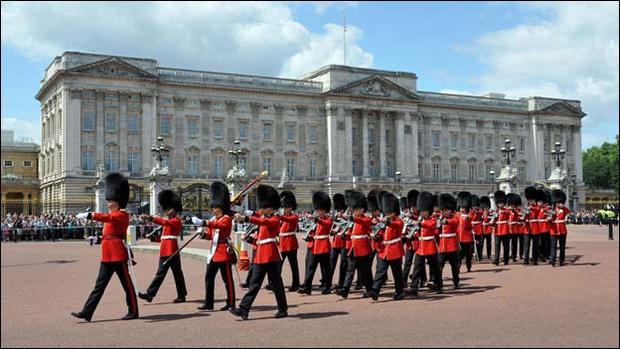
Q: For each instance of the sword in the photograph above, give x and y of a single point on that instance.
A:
(198, 232)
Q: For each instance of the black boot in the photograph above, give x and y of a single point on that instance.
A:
(147, 297)
(81, 315)
(130, 316)
(238, 312)
(179, 300)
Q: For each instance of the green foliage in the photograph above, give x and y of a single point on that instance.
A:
(600, 166)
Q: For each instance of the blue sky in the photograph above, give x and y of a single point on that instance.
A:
(566, 50)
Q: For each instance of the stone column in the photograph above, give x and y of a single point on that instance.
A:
(401, 164)
(414, 158)
(100, 202)
(72, 122)
(576, 134)
(122, 131)
(100, 117)
(365, 149)
(332, 140)
(158, 183)
(382, 146)
(148, 121)
(348, 143)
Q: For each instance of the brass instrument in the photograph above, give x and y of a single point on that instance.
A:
(307, 225)
(250, 229)
(236, 200)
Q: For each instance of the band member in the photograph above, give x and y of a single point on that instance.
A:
(449, 225)
(487, 226)
(532, 236)
(374, 207)
(476, 222)
(522, 230)
(360, 247)
(321, 248)
(338, 243)
(114, 255)
(412, 244)
(543, 223)
(170, 203)
(558, 229)
(267, 259)
(502, 237)
(513, 223)
(391, 252)
(436, 214)
(288, 239)
(465, 229)
(218, 231)
(428, 244)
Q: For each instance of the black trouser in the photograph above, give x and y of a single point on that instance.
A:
(315, 260)
(504, 241)
(454, 260)
(335, 253)
(397, 272)
(225, 270)
(514, 241)
(409, 254)
(532, 240)
(364, 273)
(249, 276)
(554, 243)
(177, 272)
(545, 244)
(611, 230)
(106, 270)
(479, 246)
(272, 270)
(466, 251)
(488, 238)
(418, 269)
(292, 261)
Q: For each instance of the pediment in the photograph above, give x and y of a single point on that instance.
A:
(374, 87)
(113, 67)
(561, 108)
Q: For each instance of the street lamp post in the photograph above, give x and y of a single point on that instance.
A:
(159, 150)
(398, 176)
(492, 178)
(508, 150)
(237, 152)
(558, 154)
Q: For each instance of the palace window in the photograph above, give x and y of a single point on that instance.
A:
(436, 142)
(218, 129)
(111, 159)
(472, 172)
(371, 135)
(454, 172)
(87, 161)
(488, 142)
(290, 166)
(267, 128)
(27, 163)
(313, 168)
(243, 130)
(133, 162)
(88, 123)
(472, 141)
(8, 163)
(267, 165)
(436, 171)
(132, 123)
(110, 121)
(454, 140)
(192, 164)
(192, 127)
(312, 139)
(164, 126)
(290, 133)
(218, 166)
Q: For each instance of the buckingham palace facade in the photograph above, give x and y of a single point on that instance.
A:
(331, 129)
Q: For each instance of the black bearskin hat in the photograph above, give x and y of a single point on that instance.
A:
(373, 200)
(447, 202)
(425, 202)
(389, 203)
(558, 196)
(356, 199)
(339, 202)
(511, 199)
(267, 197)
(169, 199)
(485, 202)
(321, 200)
(220, 197)
(412, 197)
(404, 203)
(474, 201)
(287, 198)
(530, 193)
(500, 197)
(462, 200)
(117, 189)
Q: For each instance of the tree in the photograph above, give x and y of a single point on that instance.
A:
(600, 166)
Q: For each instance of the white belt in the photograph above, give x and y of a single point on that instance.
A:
(562, 221)
(447, 235)
(393, 241)
(476, 222)
(357, 237)
(321, 237)
(513, 223)
(502, 222)
(266, 241)
(292, 233)
(170, 237)
(427, 238)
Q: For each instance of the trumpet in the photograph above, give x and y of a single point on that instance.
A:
(250, 229)
(307, 225)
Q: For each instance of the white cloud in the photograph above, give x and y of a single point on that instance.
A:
(573, 54)
(249, 37)
(24, 130)
(327, 48)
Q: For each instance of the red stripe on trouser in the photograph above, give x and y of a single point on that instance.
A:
(230, 283)
(134, 307)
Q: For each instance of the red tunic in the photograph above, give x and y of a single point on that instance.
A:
(465, 228)
(321, 236)
(115, 226)
(532, 220)
(170, 235)
(476, 221)
(415, 242)
(391, 247)
(376, 245)
(486, 222)
(501, 223)
(267, 249)
(513, 221)
(223, 226)
(428, 234)
(288, 239)
(360, 237)
(543, 223)
(448, 237)
(338, 241)
(558, 225)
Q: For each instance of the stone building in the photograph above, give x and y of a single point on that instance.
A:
(20, 175)
(331, 128)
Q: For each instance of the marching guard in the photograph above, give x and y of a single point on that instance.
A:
(532, 235)
(465, 229)
(501, 232)
(170, 203)
(220, 256)
(267, 259)
(288, 238)
(476, 222)
(360, 247)
(321, 246)
(558, 226)
(544, 202)
(114, 253)
(448, 226)
(339, 232)
(428, 245)
(391, 251)
(487, 226)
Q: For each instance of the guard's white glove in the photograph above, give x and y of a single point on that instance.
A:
(82, 215)
(197, 221)
(248, 212)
